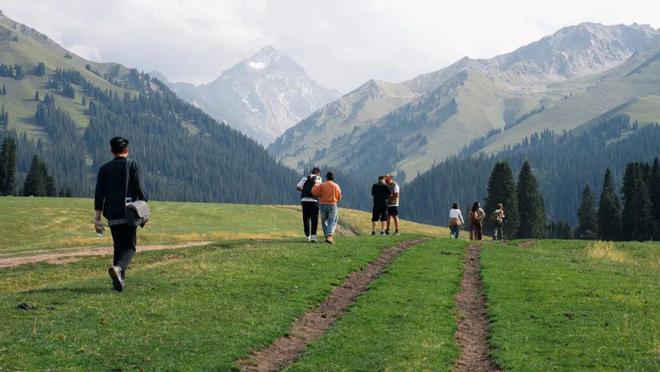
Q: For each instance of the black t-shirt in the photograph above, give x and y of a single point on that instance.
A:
(381, 192)
(111, 187)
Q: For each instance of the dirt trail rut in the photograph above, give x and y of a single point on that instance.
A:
(313, 324)
(72, 256)
(473, 323)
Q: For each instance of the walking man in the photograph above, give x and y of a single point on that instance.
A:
(310, 203)
(329, 195)
(381, 193)
(392, 205)
(118, 183)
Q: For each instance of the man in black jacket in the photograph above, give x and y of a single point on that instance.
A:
(113, 192)
(381, 193)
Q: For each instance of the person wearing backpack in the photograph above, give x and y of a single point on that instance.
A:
(455, 220)
(497, 218)
(381, 193)
(477, 215)
(118, 183)
(310, 204)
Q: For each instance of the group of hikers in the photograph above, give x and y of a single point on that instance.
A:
(119, 187)
(321, 197)
(477, 217)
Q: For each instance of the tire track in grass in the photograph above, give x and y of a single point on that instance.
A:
(313, 324)
(473, 324)
(73, 256)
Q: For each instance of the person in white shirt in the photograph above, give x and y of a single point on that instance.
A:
(310, 203)
(455, 220)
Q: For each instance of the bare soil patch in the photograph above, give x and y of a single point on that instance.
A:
(526, 244)
(73, 256)
(313, 324)
(473, 323)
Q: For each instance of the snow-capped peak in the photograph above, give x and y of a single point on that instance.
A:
(257, 65)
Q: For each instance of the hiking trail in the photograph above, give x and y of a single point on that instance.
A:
(314, 323)
(59, 258)
(473, 324)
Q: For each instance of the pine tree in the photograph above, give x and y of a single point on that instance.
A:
(38, 182)
(609, 211)
(502, 189)
(654, 189)
(637, 219)
(36, 95)
(8, 165)
(530, 206)
(587, 216)
(4, 89)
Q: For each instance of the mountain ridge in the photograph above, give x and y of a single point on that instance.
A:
(516, 94)
(262, 95)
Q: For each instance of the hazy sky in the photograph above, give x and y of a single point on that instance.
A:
(341, 43)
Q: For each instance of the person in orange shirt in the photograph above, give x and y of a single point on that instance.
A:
(329, 195)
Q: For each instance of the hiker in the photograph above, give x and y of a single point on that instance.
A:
(329, 195)
(497, 218)
(392, 205)
(381, 193)
(455, 220)
(310, 203)
(476, 222)
(113, 191)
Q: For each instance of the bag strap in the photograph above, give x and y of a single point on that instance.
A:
(128, 176)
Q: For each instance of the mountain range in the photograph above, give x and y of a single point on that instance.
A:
(577, 76)
(262, 96)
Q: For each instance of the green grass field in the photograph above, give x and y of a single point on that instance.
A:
(406, 321)
(554, 305)
(28, 225)
(574, 305)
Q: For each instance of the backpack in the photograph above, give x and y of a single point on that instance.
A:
(307, 188)
(495, 216)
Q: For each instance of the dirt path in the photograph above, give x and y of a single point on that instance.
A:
(73, 256)
(313, 324)
(473, 324)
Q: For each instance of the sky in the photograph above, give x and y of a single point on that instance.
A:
(340, 43)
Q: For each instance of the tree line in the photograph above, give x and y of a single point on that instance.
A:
(639, 216)
(562, 163)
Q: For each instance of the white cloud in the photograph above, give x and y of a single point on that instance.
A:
(341, 43)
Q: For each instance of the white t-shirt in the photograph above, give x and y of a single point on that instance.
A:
(456, 213)
(394, 189)
(302, 183)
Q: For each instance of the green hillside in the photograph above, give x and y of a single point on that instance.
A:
(184, 153)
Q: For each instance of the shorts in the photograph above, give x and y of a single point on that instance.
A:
(393, 210)
(379, 213)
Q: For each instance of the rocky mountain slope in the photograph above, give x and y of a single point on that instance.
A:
(261, 96)
(559, 83)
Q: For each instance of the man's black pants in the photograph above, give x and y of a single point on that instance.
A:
(310, 212)
(124, 238)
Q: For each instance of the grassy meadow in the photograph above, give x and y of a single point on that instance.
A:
(554, 305)
(574, 305)
(29, 225)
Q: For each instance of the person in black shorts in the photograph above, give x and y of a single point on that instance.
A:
(381, 193)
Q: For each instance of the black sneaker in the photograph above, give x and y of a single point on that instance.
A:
(117, 280)
(382, 232)
(387, 231)
(373, 233)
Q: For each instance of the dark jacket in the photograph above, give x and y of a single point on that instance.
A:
(111, 188)
(381, 193)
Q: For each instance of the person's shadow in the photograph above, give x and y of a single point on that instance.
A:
(75, 290)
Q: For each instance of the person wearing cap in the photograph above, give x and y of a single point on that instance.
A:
(113, 191)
